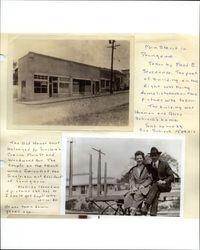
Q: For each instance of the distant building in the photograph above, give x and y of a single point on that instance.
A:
(126, 79)
(41, 77)
(80, 185)
(15, 74)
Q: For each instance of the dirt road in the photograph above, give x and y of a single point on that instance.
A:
(103, 110)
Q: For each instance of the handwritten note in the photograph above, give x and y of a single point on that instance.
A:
(33, 176)
(166, 94)
(166, 86)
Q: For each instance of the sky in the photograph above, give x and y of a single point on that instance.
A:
(118, 152)
(92, 52)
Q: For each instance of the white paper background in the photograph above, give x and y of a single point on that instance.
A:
(100, 17)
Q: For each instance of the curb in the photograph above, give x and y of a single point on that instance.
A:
(70, 98)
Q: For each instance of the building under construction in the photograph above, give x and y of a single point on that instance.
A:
(41, 77)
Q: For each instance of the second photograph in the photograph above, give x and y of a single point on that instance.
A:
(133, 176)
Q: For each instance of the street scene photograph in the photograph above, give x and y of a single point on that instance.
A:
(71, 82)
(133, 176)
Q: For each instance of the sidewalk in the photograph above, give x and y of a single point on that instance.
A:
(69, 98)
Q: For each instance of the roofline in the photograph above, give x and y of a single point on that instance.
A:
(65, 60)
(125, 69)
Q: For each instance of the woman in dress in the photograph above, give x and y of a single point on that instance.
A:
(140, 183)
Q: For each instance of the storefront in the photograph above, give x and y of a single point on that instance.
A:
(41, 77)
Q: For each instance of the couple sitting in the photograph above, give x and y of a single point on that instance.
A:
(147, 181)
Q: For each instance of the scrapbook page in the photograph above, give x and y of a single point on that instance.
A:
(133, 86)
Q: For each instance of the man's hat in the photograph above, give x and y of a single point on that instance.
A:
(154, 152)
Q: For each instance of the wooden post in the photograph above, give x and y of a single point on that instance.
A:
(90, 176)
(111, 73)
(105, 179)
(99, 175)
(70, 168)
(99, 171)
(113, 46)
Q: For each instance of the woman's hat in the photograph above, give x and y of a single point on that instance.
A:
(154, 152)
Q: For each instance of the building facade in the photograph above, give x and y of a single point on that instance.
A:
(126, 78)
(80, 185)
(41, 77)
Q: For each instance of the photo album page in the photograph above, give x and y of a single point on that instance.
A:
(99, 125)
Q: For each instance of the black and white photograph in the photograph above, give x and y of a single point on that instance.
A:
(80, 82)
(133, 176)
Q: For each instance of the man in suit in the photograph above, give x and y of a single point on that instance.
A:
(162, 178)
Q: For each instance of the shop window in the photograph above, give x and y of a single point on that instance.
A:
(107, 83)
(64, 79)
(40, 83)
(64, 85)
(75, 85)
(103, 84)
(83, 190)
(54, 78)
(81, 86)
(40, 87)
(42, 77)
(97, 86)
(87, 86)
(87, 83)
(55, 87)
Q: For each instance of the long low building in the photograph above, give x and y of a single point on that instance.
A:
(80, 185)
(41, 77)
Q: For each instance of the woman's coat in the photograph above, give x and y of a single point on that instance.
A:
(144, 178)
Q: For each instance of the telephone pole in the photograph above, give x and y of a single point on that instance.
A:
(113, 46)
(90, 176)
(70, 166)
(99, 171)
(105, 179)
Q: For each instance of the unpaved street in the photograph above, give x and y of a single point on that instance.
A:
(102, 110)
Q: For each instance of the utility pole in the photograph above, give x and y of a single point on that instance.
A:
(70, 167)
(99, 171)
(90, 176)
(105, 179)
(113, 46)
